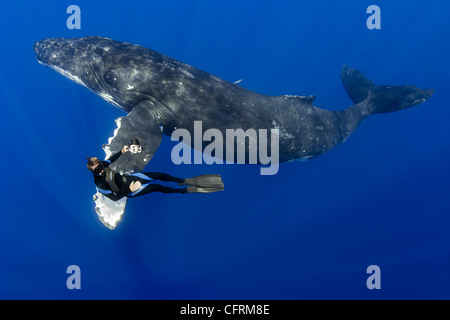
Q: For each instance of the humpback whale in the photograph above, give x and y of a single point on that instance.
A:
(160, 94)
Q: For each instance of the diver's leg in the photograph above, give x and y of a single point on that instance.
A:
(163, 177)
(151, 187)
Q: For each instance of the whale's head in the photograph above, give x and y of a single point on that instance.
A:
(92, 62)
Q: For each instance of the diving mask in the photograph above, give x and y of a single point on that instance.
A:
(98, 169)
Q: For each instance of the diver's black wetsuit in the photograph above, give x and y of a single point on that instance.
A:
(123, 182)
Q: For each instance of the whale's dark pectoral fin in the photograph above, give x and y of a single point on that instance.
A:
(381, 99)
(138, 124)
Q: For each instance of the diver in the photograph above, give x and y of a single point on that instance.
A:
(116, 186)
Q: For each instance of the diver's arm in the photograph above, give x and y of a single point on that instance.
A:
(116, 156)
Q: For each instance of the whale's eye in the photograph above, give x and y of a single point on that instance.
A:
(110, 78)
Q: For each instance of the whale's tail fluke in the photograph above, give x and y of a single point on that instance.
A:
(372, 99)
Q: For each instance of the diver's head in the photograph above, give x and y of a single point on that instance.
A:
(95, 166)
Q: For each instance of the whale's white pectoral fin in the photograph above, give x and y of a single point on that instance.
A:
(138, 124)
(109, 212)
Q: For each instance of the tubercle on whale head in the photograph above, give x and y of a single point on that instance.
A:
(70, 55)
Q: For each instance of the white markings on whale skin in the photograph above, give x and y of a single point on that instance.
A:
(282, 130)
(108, 98)
(68, 75)
(187, 73)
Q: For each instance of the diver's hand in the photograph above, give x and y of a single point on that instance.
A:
(135, 185)
(125, 149)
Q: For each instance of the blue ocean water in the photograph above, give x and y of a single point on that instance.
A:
(308, 232)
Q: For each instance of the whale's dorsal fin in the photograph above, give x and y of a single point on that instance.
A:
(308, 99)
